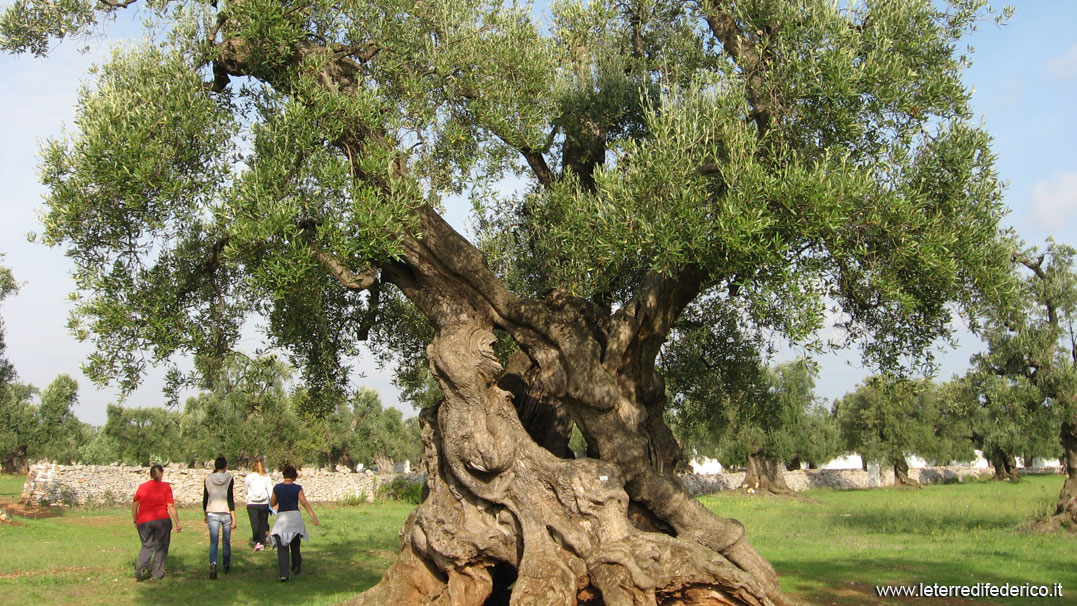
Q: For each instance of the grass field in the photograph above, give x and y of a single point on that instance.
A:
(829, 548)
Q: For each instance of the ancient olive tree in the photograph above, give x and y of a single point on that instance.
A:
(1034, 341)
(1006, 416)
(289, 160)
(888, 418)
(725, 404)
(43, 430)
(360, 430)
(142, 436)
(243, 412)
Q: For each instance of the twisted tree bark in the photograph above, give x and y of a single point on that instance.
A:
(1005, 465)
(507, 521)
(901, 473)
(765, 476)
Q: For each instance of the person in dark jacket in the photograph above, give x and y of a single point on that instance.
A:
(220, 506)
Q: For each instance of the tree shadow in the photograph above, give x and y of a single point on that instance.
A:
(332, 571)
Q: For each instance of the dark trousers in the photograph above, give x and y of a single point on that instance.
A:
(282, 556)
(155, 536)
(259, 515)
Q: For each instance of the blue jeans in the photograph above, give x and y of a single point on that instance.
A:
(220, 525)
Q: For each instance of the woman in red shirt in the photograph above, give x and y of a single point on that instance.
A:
(153, 511)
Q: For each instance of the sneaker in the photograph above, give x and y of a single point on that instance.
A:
(283, 579)
(141, 575)
(227, 567)
(259, 547)
(296, 571)
(213, 570)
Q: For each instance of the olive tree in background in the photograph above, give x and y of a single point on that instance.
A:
(726, 405)
(1007, 417)
(291, 159)
(1033, 340)
(888, 418)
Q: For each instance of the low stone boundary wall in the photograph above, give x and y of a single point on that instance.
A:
(92, 484)
(102, 484)
(839, 479)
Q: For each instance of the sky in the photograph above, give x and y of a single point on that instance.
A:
(1024, 77)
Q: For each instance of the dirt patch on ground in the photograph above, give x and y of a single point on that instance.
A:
(14, 508)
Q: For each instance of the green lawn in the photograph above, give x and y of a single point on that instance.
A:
(11, 486)
(836, 546)
(831, 548)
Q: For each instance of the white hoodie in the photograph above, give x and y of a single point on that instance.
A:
(258, 487)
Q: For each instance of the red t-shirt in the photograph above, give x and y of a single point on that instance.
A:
(153, 498)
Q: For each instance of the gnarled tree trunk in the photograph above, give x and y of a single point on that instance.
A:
(901, 473)
(1005, 465)
(1065, 514)
(765, 476)
(503, 511)
(15, 462)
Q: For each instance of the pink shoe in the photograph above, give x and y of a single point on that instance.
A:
(259, 547)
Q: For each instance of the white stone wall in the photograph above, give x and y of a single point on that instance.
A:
(89, 484)
(840, 479)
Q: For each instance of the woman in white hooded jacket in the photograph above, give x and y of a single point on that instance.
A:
(258, 487)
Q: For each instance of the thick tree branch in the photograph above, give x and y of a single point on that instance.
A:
(358, 282)
(723, 25)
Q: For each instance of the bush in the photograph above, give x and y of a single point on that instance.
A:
(354, 499)
(400, 489)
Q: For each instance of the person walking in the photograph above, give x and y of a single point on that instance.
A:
(153, 511)
(219, 504)
(289, 528)
(259, 487)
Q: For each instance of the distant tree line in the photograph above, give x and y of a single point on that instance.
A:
(246, 413)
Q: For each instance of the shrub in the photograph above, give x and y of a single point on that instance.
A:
(400, 489)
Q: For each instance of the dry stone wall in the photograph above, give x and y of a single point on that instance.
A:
(102, 484)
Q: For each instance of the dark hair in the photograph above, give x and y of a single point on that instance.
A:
(157, 472)
(220, 464)
(289, 472)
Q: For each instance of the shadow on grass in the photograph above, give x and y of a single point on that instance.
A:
(333, 571)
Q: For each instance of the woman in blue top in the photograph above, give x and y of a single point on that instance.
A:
(289, 529)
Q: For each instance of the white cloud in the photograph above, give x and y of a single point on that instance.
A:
(1065, 66)
(1053, 202)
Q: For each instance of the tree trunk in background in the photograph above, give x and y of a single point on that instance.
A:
(15, 462)
(765, 476)
(794, 465)
(384, 464)
(1065, 514)
(901, 473)
(1005, 465)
